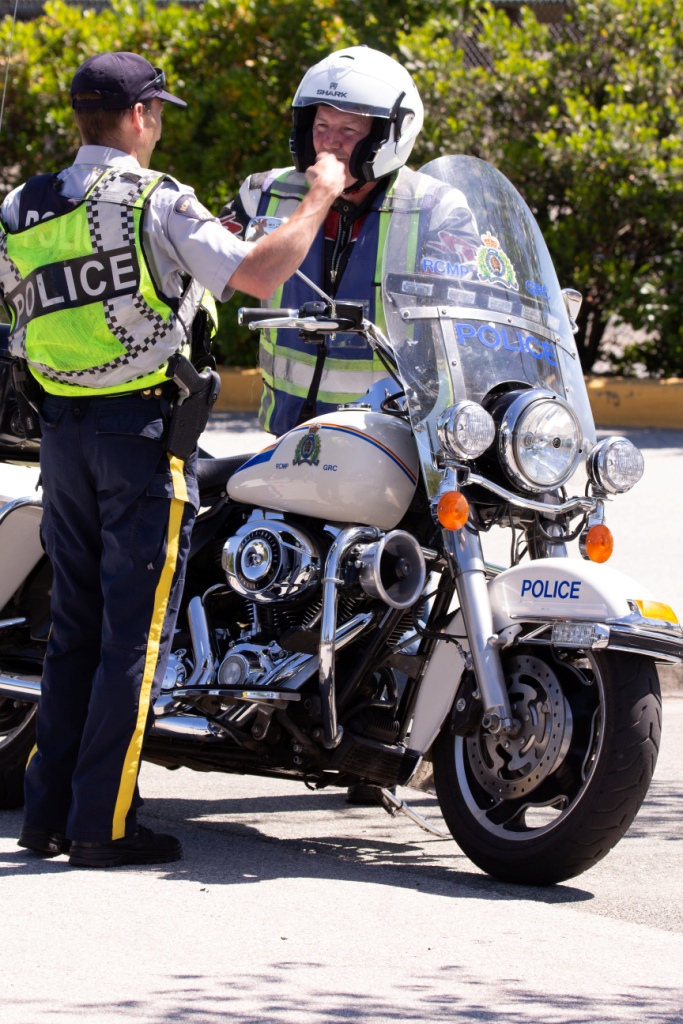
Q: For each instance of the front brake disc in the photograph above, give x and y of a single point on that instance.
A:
(508, 766)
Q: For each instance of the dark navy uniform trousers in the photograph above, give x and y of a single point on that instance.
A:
(118, 513)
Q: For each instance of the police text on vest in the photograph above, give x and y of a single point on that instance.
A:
(76, 282)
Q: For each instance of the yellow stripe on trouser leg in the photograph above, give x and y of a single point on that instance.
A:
(34, 750)
(131, 763)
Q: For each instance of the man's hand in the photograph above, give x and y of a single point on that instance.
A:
(327, 172)
(276, 257)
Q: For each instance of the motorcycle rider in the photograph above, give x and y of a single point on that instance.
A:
(103, 268)
(364, 107)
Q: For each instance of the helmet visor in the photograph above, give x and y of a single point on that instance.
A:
(332, 100)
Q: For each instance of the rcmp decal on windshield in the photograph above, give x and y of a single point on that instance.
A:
(493, 264)
(537, 289)
(444, 268)
(506, 338)
(456, 257)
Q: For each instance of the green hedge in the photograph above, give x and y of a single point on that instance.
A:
(588, 125)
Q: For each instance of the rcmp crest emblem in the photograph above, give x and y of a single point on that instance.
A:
(493, 264)
(308, 449)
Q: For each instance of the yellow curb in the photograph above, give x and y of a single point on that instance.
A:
(615, 401)
(624, 402)
(240, 389)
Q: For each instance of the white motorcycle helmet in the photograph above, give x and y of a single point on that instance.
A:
(361, 81)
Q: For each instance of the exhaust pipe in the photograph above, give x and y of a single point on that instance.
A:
(201, 643)
(169, 723)
(26, 688)
(183, 727)
(194, 727)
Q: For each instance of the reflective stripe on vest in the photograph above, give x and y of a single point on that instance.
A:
(85, 310)
(286, 361)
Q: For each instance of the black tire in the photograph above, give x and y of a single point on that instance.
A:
(17, 736)
(563, 799)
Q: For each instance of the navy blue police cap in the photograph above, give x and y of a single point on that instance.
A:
(121, 80)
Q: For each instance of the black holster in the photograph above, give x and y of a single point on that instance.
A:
(29, 395)
(190, 409)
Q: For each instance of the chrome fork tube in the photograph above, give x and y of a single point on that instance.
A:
(465, 550)
(332, 733)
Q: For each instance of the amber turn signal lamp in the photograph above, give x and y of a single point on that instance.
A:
(453, 510)
(656, 610)
(599, 543)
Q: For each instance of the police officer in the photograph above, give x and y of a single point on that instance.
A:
(363, 107)
(103, 269)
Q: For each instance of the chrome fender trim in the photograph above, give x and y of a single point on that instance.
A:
(20, 687)
(662, 646)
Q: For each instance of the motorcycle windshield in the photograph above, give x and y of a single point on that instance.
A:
(471, 298)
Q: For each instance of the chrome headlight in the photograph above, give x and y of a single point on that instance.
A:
(615, 465)
(539, 440)
(465, 430)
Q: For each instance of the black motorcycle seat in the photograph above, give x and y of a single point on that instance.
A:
(213, 474)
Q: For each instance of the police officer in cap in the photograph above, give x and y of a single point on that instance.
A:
(105, 269)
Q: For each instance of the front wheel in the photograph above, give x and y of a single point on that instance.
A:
(548, 803)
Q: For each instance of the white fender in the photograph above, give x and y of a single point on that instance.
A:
(540, 590)
(562, 588)
(20, 547)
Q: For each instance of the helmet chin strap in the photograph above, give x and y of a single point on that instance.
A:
(355, 187)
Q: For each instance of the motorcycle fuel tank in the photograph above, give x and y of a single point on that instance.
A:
(348, 466)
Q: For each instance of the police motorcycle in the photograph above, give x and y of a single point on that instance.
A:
(340, 621)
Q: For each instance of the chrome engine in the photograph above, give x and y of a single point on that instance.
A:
(269, 561)
(303, 595)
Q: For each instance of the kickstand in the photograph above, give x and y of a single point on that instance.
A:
(392, 804)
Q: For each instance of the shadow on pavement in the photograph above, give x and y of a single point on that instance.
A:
(256, 857)
(401, 863)
(303, 992)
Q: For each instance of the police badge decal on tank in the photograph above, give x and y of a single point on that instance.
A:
(308, 448)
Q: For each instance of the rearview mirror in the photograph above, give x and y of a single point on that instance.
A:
(259, 227)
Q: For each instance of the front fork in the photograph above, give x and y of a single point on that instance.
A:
(464, 549)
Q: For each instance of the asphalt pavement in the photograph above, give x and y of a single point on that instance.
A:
(291, 907)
